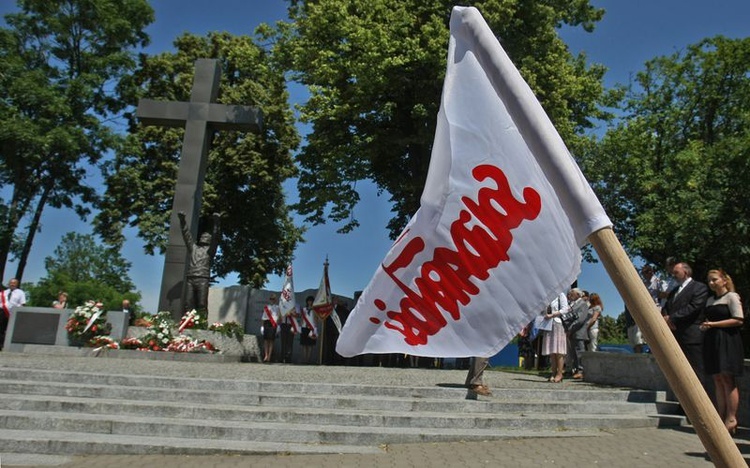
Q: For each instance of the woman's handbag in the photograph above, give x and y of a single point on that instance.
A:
(568, 319)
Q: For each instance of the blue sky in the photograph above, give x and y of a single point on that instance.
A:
(631, 32)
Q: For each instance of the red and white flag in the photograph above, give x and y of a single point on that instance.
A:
(502, 217)
(323, 302)
(287, 301)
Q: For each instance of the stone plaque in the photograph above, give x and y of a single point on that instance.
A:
(35, 328)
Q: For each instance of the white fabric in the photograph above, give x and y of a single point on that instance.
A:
(682, 285)
(502, 216)
(287, 301)
(559, 304)
(14, 298)
(323, 302)
(308, 317)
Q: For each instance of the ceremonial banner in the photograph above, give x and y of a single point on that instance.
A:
(336, 320)
(323, 303)
(287, 301)
(502, 217)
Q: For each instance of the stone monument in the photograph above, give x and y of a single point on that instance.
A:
(201, 116)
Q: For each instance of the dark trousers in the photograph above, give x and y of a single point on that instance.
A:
(287, 341)
(694, 354)
(3, 328)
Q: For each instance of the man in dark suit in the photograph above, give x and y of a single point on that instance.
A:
(683, 313)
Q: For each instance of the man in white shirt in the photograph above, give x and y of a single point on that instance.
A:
(9, 300)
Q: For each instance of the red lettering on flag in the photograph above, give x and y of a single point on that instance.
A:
(445, 282)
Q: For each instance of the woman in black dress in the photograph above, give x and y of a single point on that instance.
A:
(722, 346)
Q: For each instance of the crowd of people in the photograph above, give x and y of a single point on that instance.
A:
(706, 320)
(299, 322)
(707, 326)
(569, 326)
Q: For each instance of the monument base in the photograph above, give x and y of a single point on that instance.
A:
(246, 350)
(73, 351)
(46, 326)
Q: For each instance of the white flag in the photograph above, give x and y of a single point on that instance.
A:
(323, 302)
(287, 301)
(336, 320)
(504, 211)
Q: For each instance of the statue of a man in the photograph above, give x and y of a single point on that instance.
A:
(199, 266)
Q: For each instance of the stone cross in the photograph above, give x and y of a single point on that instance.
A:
(200, 117)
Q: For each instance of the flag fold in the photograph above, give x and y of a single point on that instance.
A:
(287, 301)
(323, 302)
(502, 217)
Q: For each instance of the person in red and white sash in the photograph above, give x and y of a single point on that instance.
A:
(289, 328)
(309, 335)
(270, 320)
(9, 299)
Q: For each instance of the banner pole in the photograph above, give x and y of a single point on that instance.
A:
(321, 339)
(672, 362)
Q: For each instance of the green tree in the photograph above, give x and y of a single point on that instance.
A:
(60, 61)
(375, 69)
(612, 331)
(85, 270)
(673, 173)
(245, 170)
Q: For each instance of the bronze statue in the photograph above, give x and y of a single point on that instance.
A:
(199, 267)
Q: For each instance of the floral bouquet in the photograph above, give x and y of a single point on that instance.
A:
(132, 343)
(229, 329)
(86, 323)
(104, 342)
(160, 333)
(192, 319)
(185, 344)
(142, 322)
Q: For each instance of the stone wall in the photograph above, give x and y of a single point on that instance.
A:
(642, 371)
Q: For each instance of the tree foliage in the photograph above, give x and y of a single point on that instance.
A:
(375, 71)
(245, 170)
(673, 173)
(613, 331)
(85, 270)
(61, 61)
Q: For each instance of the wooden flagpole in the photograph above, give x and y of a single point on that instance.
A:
(691, 394)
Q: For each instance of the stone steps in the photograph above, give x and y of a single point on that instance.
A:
(54, 410)
(238, 401)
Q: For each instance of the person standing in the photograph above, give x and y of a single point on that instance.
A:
(722, 346)
(554, 342)
(309, 334)
(62, 300)
(683, 312)
(289, 327)
(270, 320)
(10, 298)
(596, 307)
(578, 334)
(475, 377)
(658, 289)
(128, 309)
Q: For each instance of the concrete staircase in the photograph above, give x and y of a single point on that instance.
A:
(61, 411)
